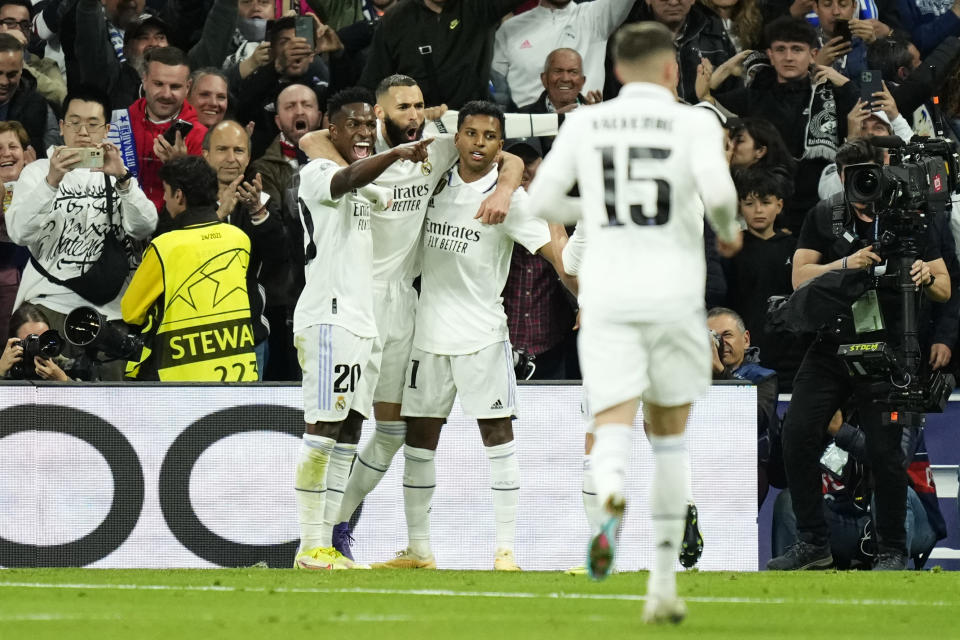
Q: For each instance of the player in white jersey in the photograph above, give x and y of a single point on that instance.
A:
(334, 327)
(642, 162)
(397, 234)
(461, 345)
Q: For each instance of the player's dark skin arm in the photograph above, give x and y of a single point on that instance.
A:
(363, 172)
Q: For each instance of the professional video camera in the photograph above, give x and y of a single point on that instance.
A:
(917, 184)
(46, 345)
(86, 327)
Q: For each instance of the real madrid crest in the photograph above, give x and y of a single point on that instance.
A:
(341, 403)
(426, 168)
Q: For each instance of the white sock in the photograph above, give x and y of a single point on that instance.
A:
(668, 504)
(371, 464)
(419, 481)
(505, 484)
(610, 454)
(311, 485)
(591, 505)
(337, 473)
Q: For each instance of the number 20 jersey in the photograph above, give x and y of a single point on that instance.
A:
(647, 169)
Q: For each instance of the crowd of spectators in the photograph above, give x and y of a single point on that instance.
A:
(240, 82)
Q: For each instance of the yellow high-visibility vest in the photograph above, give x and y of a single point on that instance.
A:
(200, 324)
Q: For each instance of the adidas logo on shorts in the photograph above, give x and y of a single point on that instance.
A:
(497, 404)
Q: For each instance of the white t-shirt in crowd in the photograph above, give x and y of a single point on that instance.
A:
(523, 42)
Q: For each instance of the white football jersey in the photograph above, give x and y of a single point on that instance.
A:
(339, 251)
(643, 163)
(465, 266)
(397, 231)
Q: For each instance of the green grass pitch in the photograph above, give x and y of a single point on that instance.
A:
(422, 605)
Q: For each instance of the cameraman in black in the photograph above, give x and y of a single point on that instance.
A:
(823, 384)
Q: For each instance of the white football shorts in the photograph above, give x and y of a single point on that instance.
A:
(485, 381)
(664, 363)
(340, 371)
(395, 310)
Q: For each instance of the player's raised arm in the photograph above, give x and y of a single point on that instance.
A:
(363, 172)
(556, 177)
(712, 175)
(553, 253)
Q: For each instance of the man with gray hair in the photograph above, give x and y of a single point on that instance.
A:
(522, 43)
(562, 81)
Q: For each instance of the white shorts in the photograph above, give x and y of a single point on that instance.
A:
(395, 309)
(664, 363)
(340, 371)
(485, 381)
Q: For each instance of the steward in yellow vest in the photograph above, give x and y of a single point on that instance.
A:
(190, 292)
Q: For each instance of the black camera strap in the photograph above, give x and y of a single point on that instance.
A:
(108, 236)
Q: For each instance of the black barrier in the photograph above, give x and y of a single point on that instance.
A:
(175, 484)
(127, 486)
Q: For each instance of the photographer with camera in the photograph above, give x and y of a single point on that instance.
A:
(33, 353)
(84, 219)
(854, 232)
(736, 359)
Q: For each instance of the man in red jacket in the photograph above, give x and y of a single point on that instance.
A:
(166, 81)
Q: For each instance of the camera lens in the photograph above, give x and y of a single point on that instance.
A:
(867, 184)
(50, 344)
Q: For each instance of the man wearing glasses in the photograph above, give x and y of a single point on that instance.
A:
(63, 209)
(15, 20)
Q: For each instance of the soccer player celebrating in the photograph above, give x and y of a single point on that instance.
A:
(461, 343)
(396, 263)
(642, 162)
(334, 328)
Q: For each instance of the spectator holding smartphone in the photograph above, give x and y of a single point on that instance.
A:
(166, 81)
(74, 218)
(843, 40)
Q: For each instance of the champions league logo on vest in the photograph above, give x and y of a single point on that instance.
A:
(194, 308)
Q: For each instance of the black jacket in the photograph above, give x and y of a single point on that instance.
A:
(460, 42)
(784, 104)
(255, 98)
(702, 35)
(30, 109)
(763, 268)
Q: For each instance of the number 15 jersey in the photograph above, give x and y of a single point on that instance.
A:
(647, 168)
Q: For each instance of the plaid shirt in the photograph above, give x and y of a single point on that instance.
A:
(539, 315)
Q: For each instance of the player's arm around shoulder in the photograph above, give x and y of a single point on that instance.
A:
(494, 209)
(363, 172)
(317, 144)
